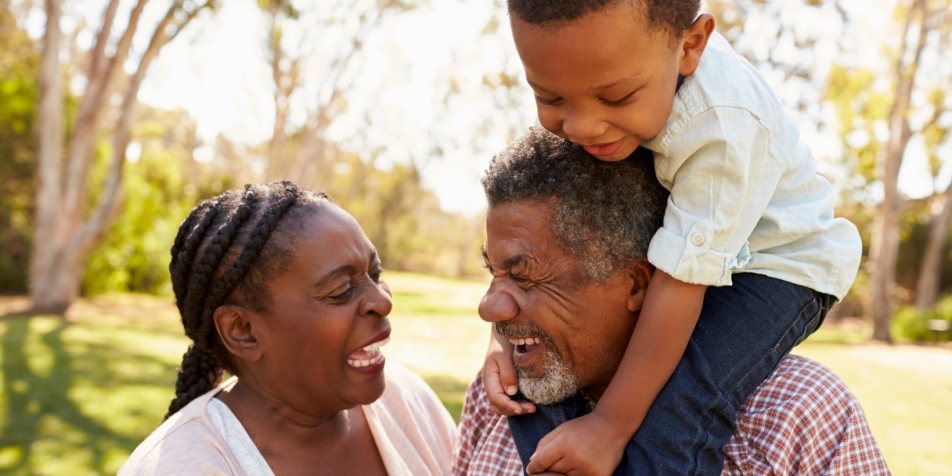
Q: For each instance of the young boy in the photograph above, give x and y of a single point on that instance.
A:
(749, 259)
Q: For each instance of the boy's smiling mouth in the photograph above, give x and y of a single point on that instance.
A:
(603, 149)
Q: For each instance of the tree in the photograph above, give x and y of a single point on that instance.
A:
(64, 230)
(922, 18)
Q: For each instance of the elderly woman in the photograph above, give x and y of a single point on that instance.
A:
(280, 288)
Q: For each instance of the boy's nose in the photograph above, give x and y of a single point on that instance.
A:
(496, 306)
(582, 126)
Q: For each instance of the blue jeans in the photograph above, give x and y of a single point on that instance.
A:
(741, 335)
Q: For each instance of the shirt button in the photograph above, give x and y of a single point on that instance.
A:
(697, 239)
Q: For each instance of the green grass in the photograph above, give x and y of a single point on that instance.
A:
(77, 396)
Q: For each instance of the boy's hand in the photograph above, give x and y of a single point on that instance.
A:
(588, 445)
(499, 378)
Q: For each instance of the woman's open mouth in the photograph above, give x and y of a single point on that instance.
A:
(524, 349)
(369, 358)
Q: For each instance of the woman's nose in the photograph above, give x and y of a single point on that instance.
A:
(497, 305)
(377, 302)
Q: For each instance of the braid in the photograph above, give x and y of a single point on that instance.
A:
(200, 371)
(208, 264)
(199, 294)
(198, 375)
(249, 255)
(185, 246)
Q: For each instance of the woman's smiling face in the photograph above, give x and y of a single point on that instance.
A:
(329, 315)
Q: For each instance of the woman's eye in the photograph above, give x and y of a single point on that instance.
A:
(343, 293)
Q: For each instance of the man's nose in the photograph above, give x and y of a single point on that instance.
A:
(582, 124)
(497, 305)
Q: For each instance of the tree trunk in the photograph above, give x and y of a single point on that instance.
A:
(63, 240)
(883, 253)
(884, 248)
(46, 232)
(930, 273)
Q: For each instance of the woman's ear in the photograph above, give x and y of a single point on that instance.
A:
(236, 328)
(640, 274)
(694, 42)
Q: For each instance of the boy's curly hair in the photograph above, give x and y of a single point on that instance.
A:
(604, 213)
(671, 16)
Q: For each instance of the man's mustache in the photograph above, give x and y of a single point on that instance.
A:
(524, 329)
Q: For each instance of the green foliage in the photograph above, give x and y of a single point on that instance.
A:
(858, 107)
(158, 193)
(19, 63)
(913, 324)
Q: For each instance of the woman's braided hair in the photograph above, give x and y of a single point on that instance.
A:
(222, 253)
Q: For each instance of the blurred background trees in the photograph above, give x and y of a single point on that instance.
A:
(396, 114)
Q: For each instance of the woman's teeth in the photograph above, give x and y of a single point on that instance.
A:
(377, 345)
(373, 353)
(529, 341)
(363, 363)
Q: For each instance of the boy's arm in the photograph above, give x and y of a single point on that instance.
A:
(594, 443)
(499, 378)
(667, 319)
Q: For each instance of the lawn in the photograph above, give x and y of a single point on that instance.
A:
(77, 396)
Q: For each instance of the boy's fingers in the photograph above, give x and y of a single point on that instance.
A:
(507, 377)
(547, 453)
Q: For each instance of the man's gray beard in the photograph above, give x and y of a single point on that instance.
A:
(555, 385)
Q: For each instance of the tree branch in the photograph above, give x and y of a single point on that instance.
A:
(88, 120)
(109, 201)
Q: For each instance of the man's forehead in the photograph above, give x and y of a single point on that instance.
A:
(519, 232)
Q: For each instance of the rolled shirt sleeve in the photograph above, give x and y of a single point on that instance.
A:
(721, 175)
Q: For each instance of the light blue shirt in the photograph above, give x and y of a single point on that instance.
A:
(745, 195)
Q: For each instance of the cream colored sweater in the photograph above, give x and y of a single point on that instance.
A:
(412, 429)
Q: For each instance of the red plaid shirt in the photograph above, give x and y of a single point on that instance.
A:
(801, 421)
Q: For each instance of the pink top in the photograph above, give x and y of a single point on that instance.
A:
(413, 431)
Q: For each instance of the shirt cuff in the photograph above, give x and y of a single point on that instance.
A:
(690, 259)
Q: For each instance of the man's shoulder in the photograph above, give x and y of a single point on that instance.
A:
(485, 442)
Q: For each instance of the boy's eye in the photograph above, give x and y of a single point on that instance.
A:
(620, 101)
(544, 101)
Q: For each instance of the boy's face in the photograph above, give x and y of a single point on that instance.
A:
(605, 81)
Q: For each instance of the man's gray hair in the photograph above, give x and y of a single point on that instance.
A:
(605, 213)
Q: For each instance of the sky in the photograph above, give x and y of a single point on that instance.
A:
(217, 71)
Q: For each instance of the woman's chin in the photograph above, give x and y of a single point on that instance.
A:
(369, 382)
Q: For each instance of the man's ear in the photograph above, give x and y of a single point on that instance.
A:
(236, 328)
(640, 274)
(694, 42)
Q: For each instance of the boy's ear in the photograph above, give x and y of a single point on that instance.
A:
(694, 42)
(640, 274)
(235, 325)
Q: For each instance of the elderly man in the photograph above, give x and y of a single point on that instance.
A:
(566, 242)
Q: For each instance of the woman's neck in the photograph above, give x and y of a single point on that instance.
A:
(271, 417)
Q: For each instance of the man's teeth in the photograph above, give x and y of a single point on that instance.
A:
(529, 341)
(364, 363)
(376, 345)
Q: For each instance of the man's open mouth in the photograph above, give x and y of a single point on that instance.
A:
(524, 349)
